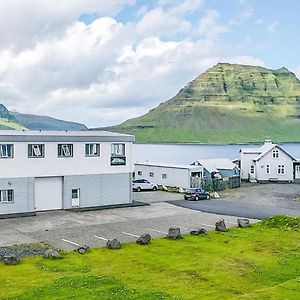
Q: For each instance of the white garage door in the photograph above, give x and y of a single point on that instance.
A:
(48, 193)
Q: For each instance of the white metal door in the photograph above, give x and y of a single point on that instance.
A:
(297, 172)
(48, 193)
(75, 197)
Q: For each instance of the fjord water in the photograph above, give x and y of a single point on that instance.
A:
(188, 153)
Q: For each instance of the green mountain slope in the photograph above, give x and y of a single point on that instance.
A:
(229, 103)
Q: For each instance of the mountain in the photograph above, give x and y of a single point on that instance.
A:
(229, 103)
(15, 120)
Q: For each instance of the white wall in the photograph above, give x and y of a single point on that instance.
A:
(268, 159)
(175, 176)
(246, 162)
(51, 165)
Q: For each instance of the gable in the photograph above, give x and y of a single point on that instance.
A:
(269, 152)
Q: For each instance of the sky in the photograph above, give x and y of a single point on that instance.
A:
(102, 62)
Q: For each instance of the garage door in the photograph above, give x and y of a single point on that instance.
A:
(48, 193)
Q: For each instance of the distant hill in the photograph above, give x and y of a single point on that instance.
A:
(229, 103)
(15, 120)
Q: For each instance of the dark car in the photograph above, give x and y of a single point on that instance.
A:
(196, 194)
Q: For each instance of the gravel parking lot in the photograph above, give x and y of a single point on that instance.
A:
(270, 195)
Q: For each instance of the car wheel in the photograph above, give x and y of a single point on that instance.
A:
(207, 197)
(196, 198)
(154, 188)
(138, 189)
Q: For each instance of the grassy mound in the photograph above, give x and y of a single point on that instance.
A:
(282, 222)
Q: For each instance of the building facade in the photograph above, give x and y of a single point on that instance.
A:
(267, 163)
(62, 170)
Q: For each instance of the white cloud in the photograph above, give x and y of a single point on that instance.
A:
(297, 72)
(272, 27)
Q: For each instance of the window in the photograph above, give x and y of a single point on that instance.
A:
(268, 169)
(118, 161)
(151, 174)
(140, 173)
(92, 149)
(75, 193)
(252, 169)
(117, 149)
(65, 150)
(6, 196)
(7, 150)
(280, 169)
(164, 176)
(36, 150)
(275, 153)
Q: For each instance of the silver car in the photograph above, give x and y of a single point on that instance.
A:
(143, 184)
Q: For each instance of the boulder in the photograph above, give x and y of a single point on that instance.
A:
(164, 188)
(200, 231)
(174, 233)
(221, 226)
(52, 254)
(113, 244)
(181, 190)
(243, 223)
(83, 249)
(11, 260)
(144, 239)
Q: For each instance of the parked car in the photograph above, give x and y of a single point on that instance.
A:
(143, 184)
(196, 194)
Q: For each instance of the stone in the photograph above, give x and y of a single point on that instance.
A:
(113, 244)
(174, 233)
(200, 231)
(181, 190)
(11, 260)
(243, 223)
(221, 226)
(52, 254)
(83, 249)
(144, 239)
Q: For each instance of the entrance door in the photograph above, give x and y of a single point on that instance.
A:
(252, 174)
(297, 172)
(75, 197)
(48, 193)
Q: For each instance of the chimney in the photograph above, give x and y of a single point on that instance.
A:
(268, 142)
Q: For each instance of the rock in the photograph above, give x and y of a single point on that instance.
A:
(181, 190)
(113, 244)
(200, 231)
(144, 239)
(52, 253)
(221, 226)
(83, 249)
(174, 233)
(11, 260)
(216, 195)
(243, 223)
(164, 188)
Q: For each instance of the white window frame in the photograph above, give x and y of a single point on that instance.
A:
(6, 154)
(92, 150)
(118, 149)
(36, 150)
(268, 169)
(281, 169)
(140, 173)
(65, 150)
(7, 196)
(164, 176)
(151, 174)
(275, 153)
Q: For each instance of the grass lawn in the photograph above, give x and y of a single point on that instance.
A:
(261, 262)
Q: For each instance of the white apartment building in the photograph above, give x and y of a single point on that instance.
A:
(50, 170)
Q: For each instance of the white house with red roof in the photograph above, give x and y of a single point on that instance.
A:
(267, 163)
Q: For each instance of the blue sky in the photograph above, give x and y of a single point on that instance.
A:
(114, 60)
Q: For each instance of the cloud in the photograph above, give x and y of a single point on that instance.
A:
(272, 27)
(297, 72)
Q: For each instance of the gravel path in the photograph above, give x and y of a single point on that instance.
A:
(23, 250)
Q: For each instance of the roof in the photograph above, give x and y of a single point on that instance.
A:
(63, 136)
(168, 165)
(213, 165)
(263, 150)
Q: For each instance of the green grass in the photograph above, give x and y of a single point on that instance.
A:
(261, 262)
(8, 124)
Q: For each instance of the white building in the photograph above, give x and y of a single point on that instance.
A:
(267, 163)
(168, 174)
(61, 170)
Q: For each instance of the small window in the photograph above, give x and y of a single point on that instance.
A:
(75, 193)
(7, 150)
(7, 196)
(164, 176)
(117, 149)
(140, 173)
(118, 161)
(92, 149)
(36, 150)
(151, 174)
(275, 153)
(268, 169)
(280, 169)
(252, 169)
(65, 150)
